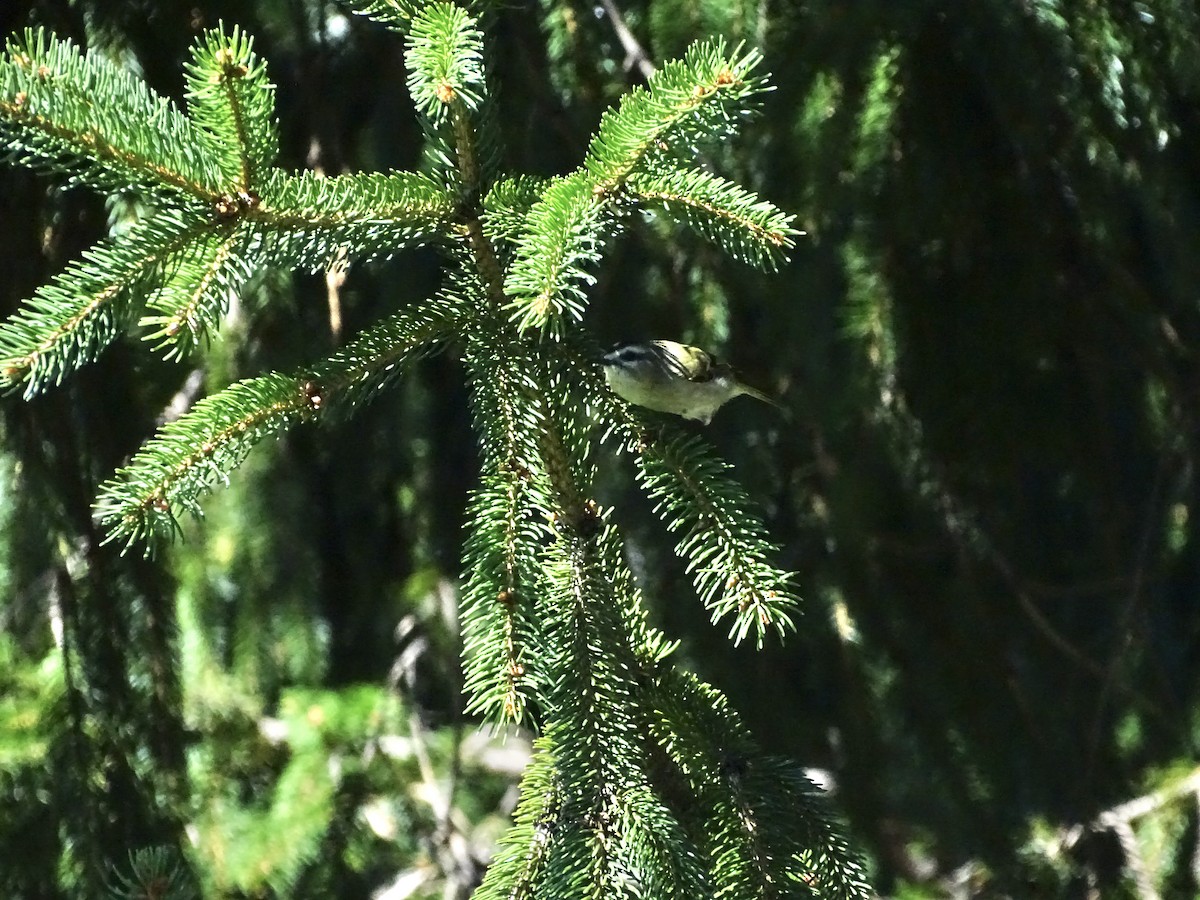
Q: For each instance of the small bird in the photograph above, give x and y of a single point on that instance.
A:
(674, 378)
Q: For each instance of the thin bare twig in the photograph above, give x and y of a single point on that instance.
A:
(1119, 821)
(635, 54)
(188, 393)
(1124, 628)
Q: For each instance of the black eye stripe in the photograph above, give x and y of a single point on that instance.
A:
(705, 367)
(626, 353)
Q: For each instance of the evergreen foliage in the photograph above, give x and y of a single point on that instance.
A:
(202, 446)
(69, 321)
(986, 485)
(97, 124)
(689, 104)
(722, 537)
(644, 783)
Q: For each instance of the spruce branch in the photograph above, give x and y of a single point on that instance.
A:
(746, 227)
(519, 865)
(506, 208)
(585, 658)
(512, 508)
(446, 80)
(500, 630)
(687, 102)
(509, 516)
(394, 14)
(195, 292)
(564, 237)
(191, 454)
(310, 222)
(801, 824)
(723, 539)
(70, 320)
(591, 713)
(89, 119)
(481, 252)
(589, 656)
(486, 259)
(197, 253)
(764, 824)
(659, 848)
(230, 96)
(153, 872)
(444, 53)
(552, 620)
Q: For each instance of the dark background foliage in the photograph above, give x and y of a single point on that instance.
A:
(988, 341)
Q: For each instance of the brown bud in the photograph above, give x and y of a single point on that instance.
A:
(225, 206)
(312, 395)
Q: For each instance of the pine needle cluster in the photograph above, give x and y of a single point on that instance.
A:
(645, 783)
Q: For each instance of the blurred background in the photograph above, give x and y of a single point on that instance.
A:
(988, 341)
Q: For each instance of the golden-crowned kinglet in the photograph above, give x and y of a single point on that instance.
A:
(674, 378)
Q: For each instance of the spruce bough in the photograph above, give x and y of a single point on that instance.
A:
(645, 782)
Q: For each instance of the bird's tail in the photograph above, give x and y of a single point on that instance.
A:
(759, 395)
